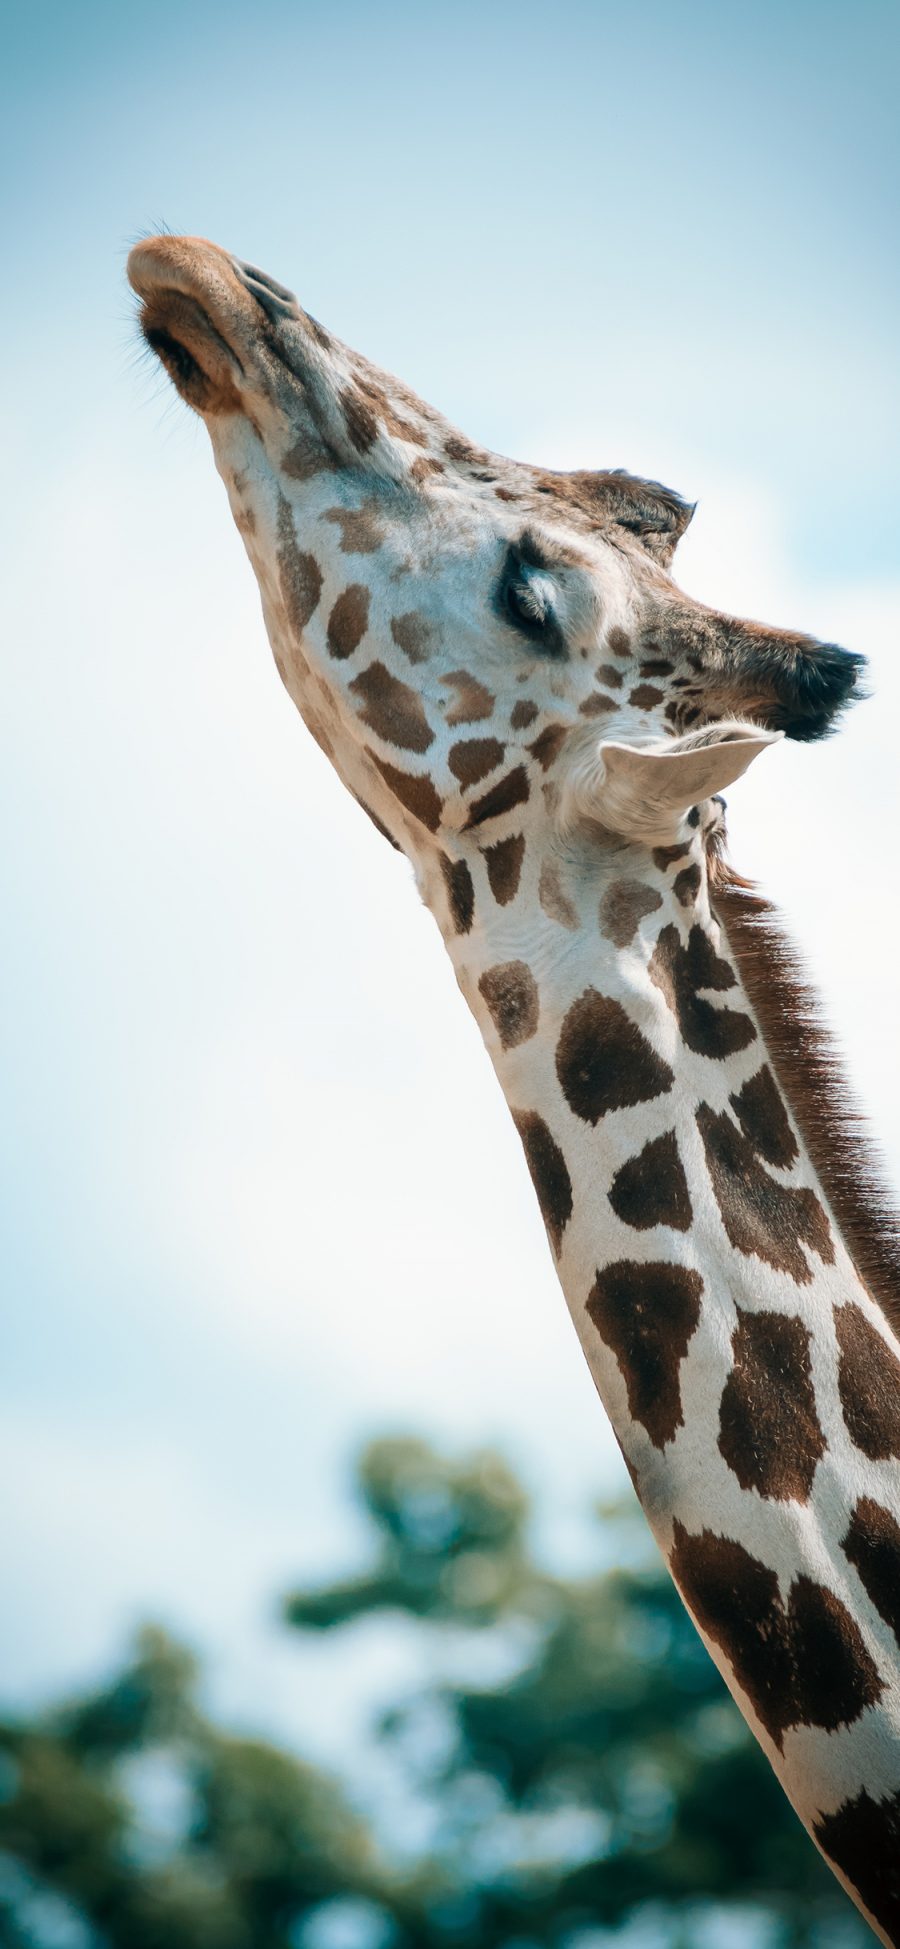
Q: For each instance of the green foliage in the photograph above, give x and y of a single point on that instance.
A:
(263, 1841)
(606, 1784)
(451, 1540)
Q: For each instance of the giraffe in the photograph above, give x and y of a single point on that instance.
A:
(497, 662)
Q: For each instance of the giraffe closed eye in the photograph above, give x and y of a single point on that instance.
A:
(527, 597)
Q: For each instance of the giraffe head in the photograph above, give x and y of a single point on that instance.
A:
(479, 646)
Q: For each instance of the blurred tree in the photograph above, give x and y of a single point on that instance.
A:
(128, 1820)
(604, 1789)
(610, 1777)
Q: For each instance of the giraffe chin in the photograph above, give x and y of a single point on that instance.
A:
(197, 359)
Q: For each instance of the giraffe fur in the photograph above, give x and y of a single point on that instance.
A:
(497, 662)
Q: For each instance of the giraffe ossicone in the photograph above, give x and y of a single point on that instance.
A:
(498, 664)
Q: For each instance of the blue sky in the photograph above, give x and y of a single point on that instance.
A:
(241, 1091)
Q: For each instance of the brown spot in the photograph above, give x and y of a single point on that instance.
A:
(769, 1431)
(651, 1188)
(678, 973)
(863, 1839)
(391, 709)
(375, 398)
(623, 907)
(555, 902)
(606, 673)
(411, 633)
(764, 1120)
(306, 458)
(511, 994)
(361, 531)
(426, 466)
(656, 666)
(596, 705)
(348, 621)
(472, 758)
(504, 865)
(546, 746)
(665, 856)
(686, 884)
(869, 1384)
(362, 425)
(604, 1062)
(505, 494)
(473, 700)
(456, 448)
(761, 1217)
(387, 421)
(647, 1315)
(417, 437)
(523, 713)
(805, 1664)
(460, 892)
(367, 809)
(645, 696)
(549, 1173)
(417, 794)
(299, 575)
(872, 1545)
(619, 641)
(508, 792)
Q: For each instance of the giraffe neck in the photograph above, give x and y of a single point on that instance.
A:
(752, 1384)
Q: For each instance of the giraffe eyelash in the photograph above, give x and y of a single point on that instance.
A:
(527, 599)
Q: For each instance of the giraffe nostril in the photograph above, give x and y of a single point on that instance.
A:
(274, 298)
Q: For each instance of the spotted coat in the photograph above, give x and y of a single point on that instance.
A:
(499, 666)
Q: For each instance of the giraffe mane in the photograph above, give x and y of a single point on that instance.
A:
(809, 1065)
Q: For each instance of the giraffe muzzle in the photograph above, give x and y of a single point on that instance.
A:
(191, 299)
(787, 681)
(809, 686)
(228, 335)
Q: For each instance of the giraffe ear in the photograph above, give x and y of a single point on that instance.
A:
(655, 515)
(644, 791)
